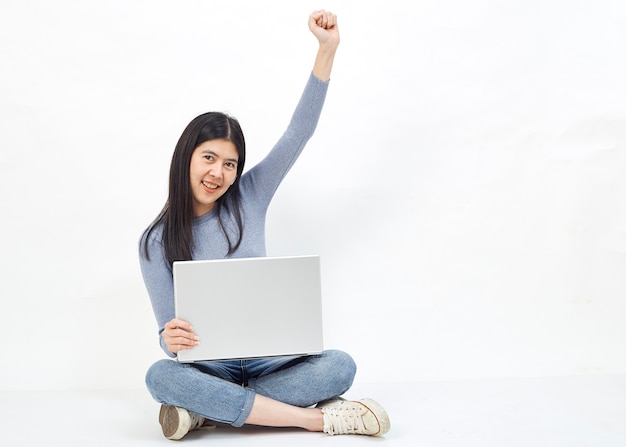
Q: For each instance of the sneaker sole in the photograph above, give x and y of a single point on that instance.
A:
(174, 423)
(381, 415)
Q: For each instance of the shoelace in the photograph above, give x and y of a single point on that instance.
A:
(344, 420)
(196, 421)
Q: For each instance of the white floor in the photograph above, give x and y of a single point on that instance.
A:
(555, 412)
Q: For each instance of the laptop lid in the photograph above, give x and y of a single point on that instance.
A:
(250, 307)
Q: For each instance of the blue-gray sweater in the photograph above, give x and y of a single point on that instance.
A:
(258, 186)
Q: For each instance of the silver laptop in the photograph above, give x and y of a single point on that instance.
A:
(250, 307)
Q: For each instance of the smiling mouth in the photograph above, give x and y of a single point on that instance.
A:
(209, 185)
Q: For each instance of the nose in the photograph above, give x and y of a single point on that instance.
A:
(215, 171)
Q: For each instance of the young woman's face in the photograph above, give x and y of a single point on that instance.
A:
(212, 170)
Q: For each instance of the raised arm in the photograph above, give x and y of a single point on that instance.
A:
(323, 25)
(262, 180)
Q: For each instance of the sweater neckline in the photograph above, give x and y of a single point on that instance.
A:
(204, 218)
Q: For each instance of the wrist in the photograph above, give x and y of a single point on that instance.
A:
(323, 65)
(328, 47)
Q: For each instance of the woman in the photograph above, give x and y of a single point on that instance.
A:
(216, 211)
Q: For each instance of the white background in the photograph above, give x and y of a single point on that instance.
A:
(465, 186)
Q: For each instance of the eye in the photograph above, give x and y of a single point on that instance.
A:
(209, 157)
(230, 165)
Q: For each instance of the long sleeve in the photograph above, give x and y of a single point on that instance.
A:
(157, 276)
(264, 178)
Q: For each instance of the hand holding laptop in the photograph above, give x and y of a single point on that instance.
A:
(179, 335)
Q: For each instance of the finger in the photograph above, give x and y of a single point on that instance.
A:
(178, 323)
(172, 334)
(314, 17)
(182, 341)
(332, 20)
(175, 348)
(178, 344)
(322, 22)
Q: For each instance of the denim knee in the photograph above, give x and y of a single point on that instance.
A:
(342, 367)
(155, 377)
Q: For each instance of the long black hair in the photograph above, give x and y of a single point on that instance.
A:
(177, 215)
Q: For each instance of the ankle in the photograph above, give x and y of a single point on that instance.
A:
(315, 420)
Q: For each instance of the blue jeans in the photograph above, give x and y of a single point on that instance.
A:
(224, 391)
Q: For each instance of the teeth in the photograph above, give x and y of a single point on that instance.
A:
(209, 185)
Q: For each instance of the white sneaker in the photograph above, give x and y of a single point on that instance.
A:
(176, 422)
(364, 417)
